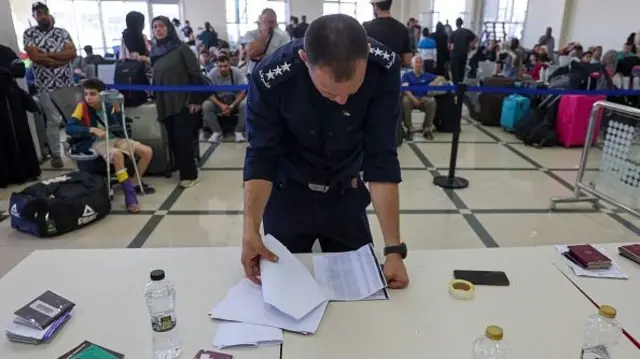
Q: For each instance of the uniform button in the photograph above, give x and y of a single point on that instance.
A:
(328, 153)
(313, 132)
(330, 133)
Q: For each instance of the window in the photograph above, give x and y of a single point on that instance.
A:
(449, 10)
(100, 23)
(504, 19)
(242, 15)
(360, 9)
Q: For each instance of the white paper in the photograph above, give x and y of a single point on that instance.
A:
(287, 284)
(232, 334)
(349, 276)
(613, 272)
(244, 303)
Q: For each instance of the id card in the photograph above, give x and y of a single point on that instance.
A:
(208, 354)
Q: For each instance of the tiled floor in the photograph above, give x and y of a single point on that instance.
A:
(506, 204)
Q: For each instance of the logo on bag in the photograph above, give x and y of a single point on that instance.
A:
(63, 178)
(14, 211)
(88, 216)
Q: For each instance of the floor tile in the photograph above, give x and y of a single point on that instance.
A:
(467, 134)
(473, 155)
(627, 195)
(430, 231)
(203, 230)
(408, 158)
(114, 231)
(217, 190)
(418, 192)
(500, 133)
(554, 228)
(509, 189)
(227, 155)
(558, 157)
(11, 256)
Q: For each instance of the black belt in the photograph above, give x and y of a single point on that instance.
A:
(323, 188)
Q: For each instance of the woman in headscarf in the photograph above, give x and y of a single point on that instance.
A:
(442, 48)
(134, 43)
(175, 64)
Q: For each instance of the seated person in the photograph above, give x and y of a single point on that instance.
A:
(414, 99)
(206, 61)
(224, 104)
(87, 119)
(586, 57)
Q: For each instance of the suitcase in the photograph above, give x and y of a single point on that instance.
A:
(447, 118)
(572, 121)
(491, 103)
(146, 129)
(514, 107)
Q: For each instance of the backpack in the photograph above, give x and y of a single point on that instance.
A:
(536, 129)
(131, 72)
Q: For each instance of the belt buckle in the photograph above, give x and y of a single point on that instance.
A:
(318, 188)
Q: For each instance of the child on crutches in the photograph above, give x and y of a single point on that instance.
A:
(89, 118)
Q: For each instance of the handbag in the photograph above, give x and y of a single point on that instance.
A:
(198, 97)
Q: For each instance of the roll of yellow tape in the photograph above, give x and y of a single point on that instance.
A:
(461, 289)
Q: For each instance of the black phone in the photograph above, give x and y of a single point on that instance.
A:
(480, 277)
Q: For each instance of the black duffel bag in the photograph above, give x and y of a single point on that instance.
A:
(447, 118)
(60, 205)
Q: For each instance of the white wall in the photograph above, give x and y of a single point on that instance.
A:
(542, 14)
(606, 24)
(199, 11)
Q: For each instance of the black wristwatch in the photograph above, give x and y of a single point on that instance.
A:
(400, 249)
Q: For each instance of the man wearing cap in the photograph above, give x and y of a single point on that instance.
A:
(52, 51)
(320, 111)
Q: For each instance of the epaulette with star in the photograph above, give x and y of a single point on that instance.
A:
(279, 66)
(272, 74)
(382, 55)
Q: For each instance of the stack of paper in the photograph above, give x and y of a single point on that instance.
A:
(25, 334)
(290, 298)
(614, 271)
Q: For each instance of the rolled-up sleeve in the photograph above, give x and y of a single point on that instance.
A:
(380, 139)
(265, 128)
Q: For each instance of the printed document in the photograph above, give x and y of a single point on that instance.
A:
(231, 334)
(614, 272)
(350, 276)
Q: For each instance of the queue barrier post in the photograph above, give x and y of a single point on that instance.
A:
(450, 181)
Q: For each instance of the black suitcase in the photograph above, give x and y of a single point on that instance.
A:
(447, 118)
(491, 103)
(131, 72)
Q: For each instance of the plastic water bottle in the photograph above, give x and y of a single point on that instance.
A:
(490, 345)
(161, 301)
(601, 334)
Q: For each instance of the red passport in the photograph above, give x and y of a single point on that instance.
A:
(589, 257)
(631, 251)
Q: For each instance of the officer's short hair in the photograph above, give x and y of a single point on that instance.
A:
(336, 42)
(384, 5)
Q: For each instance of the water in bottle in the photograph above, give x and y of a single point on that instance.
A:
(602, 333)
(161, 299)
(490, 345)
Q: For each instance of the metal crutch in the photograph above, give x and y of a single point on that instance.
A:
(114, 97)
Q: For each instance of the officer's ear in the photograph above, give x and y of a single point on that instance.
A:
(303, 56)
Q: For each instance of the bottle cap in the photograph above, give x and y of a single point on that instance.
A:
(157, 274)
(607, 311)
(494, 332)
(461, 289)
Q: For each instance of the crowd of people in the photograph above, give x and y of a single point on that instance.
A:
(176, 55)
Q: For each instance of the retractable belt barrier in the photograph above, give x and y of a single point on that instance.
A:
(450, 181)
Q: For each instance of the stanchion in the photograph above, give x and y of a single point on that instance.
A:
(451, 181)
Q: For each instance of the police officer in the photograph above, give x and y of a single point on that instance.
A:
(321, 111)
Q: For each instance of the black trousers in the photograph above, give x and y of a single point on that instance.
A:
(458, 68)
(297, 216)
(181, 129)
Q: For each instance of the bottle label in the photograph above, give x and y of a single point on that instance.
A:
(163, 324)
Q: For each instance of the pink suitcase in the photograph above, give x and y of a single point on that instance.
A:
(572, 122)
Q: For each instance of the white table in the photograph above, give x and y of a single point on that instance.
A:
(624, 295)
(542, 313)
(107, 287)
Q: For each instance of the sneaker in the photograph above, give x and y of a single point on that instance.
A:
(188, 183)
(240, 137)
(408, 136)
(215, 137)
(428, 135)
(147, 189)
(204, 136)
(56, 162)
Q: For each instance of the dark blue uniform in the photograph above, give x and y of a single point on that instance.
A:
(313, 149)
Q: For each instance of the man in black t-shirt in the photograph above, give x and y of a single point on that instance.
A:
(460, 42)
(389, 31)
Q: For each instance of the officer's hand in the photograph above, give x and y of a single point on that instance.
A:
(395, 272)
(252, 250)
